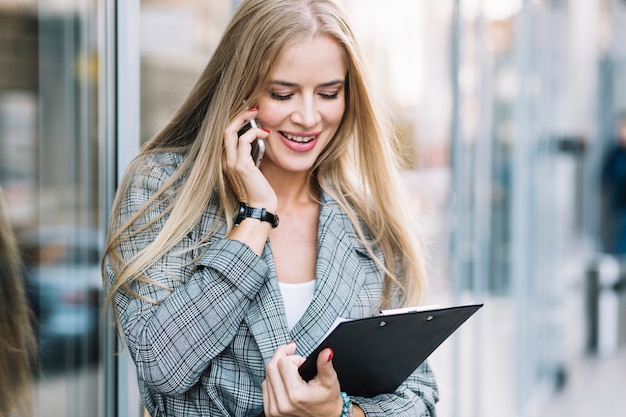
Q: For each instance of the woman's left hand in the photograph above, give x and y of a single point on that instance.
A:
(285, 393)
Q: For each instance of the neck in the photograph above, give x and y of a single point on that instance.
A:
(293, 189)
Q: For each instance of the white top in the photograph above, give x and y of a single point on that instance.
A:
(296, 298)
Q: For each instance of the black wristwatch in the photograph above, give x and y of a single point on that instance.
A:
(246, 211)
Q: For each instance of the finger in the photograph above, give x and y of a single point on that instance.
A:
(277, 392)
(288, 371)
(240, 119)
(269, 399)
(231, 138)
(244, 146)
(286, 350)
(283, 351)
(326, 374)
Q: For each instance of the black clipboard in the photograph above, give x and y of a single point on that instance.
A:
(374, 355)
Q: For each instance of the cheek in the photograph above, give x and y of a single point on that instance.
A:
(274, 113)
(270, 114)
(334, 114)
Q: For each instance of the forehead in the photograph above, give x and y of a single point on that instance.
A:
(316, 59)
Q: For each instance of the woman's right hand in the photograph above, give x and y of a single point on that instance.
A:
(247, 181)
(244, 177)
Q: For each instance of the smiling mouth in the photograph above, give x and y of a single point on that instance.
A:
(298, 139)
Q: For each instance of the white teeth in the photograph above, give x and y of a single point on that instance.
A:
(299, 139)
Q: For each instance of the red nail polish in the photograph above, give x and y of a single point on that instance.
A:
(330, 355)
(265, 130)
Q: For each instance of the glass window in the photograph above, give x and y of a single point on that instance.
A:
(49, 165)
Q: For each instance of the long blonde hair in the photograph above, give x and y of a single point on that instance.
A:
(359, 168)
(17, 340)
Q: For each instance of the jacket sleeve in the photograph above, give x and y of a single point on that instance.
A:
(174, 330)
(416, 397)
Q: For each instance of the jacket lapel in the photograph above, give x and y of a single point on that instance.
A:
(339, 278)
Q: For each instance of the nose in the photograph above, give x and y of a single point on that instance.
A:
(306, 113)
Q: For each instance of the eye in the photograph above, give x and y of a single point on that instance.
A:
(280, 97)
(329, 96)
(330, 92)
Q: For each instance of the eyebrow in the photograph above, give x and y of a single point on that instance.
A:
(289, 84)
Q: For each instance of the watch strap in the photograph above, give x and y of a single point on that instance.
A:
(245, 211)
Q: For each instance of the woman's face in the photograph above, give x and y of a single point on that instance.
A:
(303, 104)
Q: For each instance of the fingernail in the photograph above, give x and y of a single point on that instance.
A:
(265, 130)
(254, 108)
(330, 355)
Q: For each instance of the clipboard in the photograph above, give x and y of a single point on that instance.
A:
(374, 355)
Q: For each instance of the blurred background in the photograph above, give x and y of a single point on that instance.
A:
(507, 110)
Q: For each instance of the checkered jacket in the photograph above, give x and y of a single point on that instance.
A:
(202, 350)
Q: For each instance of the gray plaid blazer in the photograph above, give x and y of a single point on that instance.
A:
(202, 350)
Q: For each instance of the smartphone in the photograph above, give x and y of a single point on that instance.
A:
(258, 146)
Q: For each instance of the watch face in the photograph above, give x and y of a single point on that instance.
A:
(275, 221)
(241, 214)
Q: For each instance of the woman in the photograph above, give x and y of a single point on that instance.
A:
(218, 308)
(613, 181)
(17, 340)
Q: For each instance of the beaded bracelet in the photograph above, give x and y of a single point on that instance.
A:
(346, 411)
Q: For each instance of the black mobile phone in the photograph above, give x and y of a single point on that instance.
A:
(258, 146)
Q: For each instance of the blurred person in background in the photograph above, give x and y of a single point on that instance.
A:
(614, 192)
(219, 304)
(17, 341)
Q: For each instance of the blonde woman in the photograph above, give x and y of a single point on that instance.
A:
(217, 300)
(17, 341)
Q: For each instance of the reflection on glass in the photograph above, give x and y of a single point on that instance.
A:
(48, 169)
(17, 340)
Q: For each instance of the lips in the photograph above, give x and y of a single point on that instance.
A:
(298, 139)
